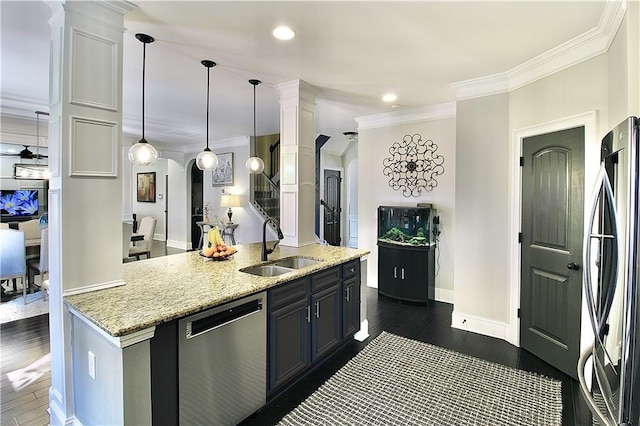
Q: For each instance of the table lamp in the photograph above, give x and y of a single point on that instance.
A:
(230, 200)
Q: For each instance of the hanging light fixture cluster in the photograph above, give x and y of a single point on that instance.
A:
(143, 153)
(254, 164)
(207, 160)
(33, 171)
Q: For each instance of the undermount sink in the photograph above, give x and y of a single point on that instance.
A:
(281, 266)
(266, 270)
(296, 262)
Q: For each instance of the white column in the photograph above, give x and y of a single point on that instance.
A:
(297, 162)
(85, 197)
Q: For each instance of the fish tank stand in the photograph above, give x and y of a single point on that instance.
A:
(406, 252)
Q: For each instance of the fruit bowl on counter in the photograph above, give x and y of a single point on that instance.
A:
(216, 249)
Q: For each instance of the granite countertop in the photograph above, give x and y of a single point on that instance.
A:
(165, 288)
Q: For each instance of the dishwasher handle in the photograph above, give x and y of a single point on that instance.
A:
(222, 318)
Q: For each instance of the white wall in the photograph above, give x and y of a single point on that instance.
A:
(250, 225)
(374, 191)
(156, 209)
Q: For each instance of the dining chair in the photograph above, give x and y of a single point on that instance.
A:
(127, 230)
(40, 266)
(147, 228)
(13, 263)
(31, 229)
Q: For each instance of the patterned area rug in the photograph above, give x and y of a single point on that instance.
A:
(398, 381)
(15, 309)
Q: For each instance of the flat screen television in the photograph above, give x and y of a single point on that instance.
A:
(19, 202)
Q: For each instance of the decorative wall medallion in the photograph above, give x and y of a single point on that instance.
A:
(413, 165)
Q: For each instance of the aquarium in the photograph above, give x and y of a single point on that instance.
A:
(411, 226)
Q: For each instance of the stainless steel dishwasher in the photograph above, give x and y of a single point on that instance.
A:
(222, 358)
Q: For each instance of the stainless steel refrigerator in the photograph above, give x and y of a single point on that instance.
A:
(612, 283)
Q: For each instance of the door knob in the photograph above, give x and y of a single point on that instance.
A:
(573, 265)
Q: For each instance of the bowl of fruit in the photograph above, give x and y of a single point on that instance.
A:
(215, 248)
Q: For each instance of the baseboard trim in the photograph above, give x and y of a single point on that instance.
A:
(56, 414)
(363, 334)
(182, 245)
(445, 296)
(94, 287)
(480, 325)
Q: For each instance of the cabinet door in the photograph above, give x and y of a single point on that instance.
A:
(413, 271)
(351, 306)
(388, 272)
(288, 342)
(326, 321)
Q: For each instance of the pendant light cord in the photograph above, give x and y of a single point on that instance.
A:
(254, 113)
(208, 79)
(144, 55)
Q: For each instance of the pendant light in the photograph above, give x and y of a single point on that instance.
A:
(143, 153)
(254, 164)
(33, 171)
(207, 160)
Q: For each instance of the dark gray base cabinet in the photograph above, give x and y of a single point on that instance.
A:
(309, 319)
(406, 273)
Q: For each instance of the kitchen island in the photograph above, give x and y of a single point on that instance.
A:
(120, 333)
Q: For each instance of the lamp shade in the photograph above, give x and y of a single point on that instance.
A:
(230, 200)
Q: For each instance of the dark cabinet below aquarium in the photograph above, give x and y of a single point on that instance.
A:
(406, 252)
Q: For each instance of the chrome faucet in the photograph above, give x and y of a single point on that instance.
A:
(265, 250)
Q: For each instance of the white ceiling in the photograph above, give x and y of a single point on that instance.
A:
(353, 52)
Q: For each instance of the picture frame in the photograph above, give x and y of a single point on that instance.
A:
(223, 173)
(146, 187)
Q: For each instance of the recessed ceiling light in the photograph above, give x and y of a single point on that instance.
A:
(284, 33)
(389, 97)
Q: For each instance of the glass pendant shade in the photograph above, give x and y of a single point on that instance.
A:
(255, 165)
(143, 153)
(207, 160)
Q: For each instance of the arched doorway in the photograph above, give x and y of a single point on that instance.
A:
(197, 177)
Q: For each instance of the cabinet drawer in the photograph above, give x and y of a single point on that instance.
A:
(288, 293)
(324, 279)
(350, 268)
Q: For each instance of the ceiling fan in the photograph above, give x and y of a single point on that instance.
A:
(26, 153)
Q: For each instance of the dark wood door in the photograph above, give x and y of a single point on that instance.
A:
(288, 342)
(332, 210)
(552, 232)
(326, 324)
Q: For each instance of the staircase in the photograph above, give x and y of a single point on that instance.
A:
(264, 188)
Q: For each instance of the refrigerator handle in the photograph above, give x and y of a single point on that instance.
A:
(602, 182)
(586, 394)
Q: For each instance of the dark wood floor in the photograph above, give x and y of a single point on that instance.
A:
(26, 341)
(431, 324)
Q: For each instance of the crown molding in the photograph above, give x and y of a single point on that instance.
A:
(407, 116)
(20, 106)
(579, 49)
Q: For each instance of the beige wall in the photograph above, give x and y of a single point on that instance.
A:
(374, 191)
(482, 208)
(486, 190)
